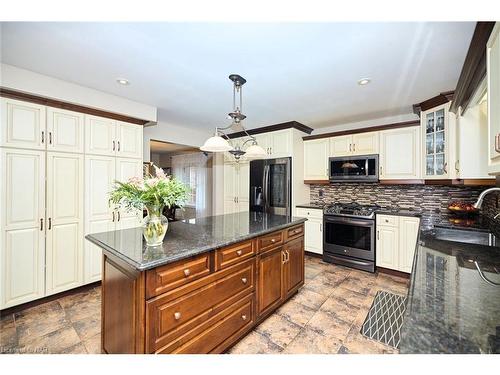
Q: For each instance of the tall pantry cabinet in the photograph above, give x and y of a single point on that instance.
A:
(44, 199)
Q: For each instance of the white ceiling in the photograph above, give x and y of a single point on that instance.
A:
(302, 72)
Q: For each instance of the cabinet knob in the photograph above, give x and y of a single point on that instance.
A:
(177, 315)
(386, 220)
(187, 272)
(239, 252)
(244, 317)
(244, 280)
(273, 240)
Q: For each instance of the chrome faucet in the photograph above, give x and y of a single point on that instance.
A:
(479, 202)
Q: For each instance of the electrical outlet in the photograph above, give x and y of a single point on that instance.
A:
(320, 193)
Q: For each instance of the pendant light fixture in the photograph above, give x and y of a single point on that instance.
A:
(220, 142)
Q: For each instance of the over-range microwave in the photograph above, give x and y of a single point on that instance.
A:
(362, 168)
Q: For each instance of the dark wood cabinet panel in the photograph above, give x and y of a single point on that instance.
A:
(294, 275)
(233, 254)
(270, 280)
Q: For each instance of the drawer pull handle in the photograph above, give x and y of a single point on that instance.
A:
(177, 315)
(244, 317)
(187, 272)
(244, 280)
(239, 252)
(273, 240)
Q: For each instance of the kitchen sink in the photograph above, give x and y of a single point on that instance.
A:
(466, 236)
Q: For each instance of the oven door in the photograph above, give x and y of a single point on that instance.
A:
(350, 237)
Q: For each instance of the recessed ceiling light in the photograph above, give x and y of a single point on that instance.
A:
(123, 81)
(364, 81)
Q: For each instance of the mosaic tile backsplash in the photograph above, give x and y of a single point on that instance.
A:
(433, 200)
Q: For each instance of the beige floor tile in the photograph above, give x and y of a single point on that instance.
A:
(319, 286)
(311, 273)
(296, 313)
(54, 342)
(352, 298)
(77, 349)
(358, 285)
(255, 343)
(93, 344)
(326, 325)
(309, 298)
(358, 344)
(88, 327)
(91, 296)
(278, 330)
(310, 342)
(340, 309)
(84, 310)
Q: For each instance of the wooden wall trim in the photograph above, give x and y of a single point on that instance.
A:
(474, 68)
(446, 182)
(440, 99)
(18, 95)
(272, 128)
(396, 125)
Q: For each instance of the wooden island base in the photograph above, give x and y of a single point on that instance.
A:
(203, 304)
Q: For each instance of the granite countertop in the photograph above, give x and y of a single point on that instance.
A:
(315, 205)
(190, 237)
(450, 308)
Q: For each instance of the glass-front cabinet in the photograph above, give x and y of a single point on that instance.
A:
(437, 130)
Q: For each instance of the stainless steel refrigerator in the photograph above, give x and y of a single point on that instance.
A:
(271, 186)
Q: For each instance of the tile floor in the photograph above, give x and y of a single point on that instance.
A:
(324, 317)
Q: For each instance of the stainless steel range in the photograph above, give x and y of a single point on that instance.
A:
(349, 235)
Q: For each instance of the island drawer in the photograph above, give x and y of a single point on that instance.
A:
(171, 276)
(294, 232)
(234, 254)
(218, 332)
(178, 311)
(270, 240)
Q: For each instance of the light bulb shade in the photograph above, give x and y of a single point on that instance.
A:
(255, 152)
(216, 144)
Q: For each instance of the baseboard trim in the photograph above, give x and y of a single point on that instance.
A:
(314, 255)
(388, 271)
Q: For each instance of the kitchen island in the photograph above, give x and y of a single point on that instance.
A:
(212, 280)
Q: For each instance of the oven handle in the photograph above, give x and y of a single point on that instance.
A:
(351, 260)
(364, 223)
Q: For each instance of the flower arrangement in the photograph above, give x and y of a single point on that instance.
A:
(153, 193)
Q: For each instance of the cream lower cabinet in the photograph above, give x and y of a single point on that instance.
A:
(313, 229)
(236, 187)
(316, 153)
(396, 242)
(22, 234)
(400, 154)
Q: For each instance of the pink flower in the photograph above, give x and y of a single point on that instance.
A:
(159, 172)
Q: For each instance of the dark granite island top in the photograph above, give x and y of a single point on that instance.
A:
(189, 237)
(451, 308)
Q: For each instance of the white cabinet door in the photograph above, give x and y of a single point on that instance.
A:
(264, 140)
(64, 241)
(100, 136)
(387, 247)
(281, 143)
(408, 233)
(130, 221)
(65, 130)
(129, 140)
(400, 154)
(314, 236)
(22, 229)
(127, 168)
(99, 215)
(341, 146)
(23, 124)
(365, 143)
(493, 80)
(243, 181)
(316, 154)
(230, 188)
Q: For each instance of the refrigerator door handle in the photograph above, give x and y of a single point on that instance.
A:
(265, 188)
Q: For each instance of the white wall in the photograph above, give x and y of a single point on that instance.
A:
(38, 84)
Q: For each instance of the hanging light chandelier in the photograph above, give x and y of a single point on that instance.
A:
(220, 142)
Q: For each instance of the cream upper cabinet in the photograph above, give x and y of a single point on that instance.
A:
(243, 178)
(493, 82)
(316, 153)
(23, 225)
(281, 145)
(128, 140)
(264, 140)
(100, 136)
(408, 234)
(400, 154)
(230, 186)
(65, 130)
(365, 143)
(341, 145)
(23, 124)
(64, 244)
(438, 142)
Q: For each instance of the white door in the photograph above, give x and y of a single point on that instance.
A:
(64, 246)
(316, 154)
(341, 145)
(243, 180)
(22, 229)
(408, 233)
(314, 236)
(400, 154)
(100, 136)
(23, 124)
(387, 247)
(281, 143)
(493, 77)
(129, 140)
(127, 168)
(230, 186)
(99, 215)
(365, 143)
(65, 130)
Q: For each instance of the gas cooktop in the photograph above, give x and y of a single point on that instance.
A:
(352, 209)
